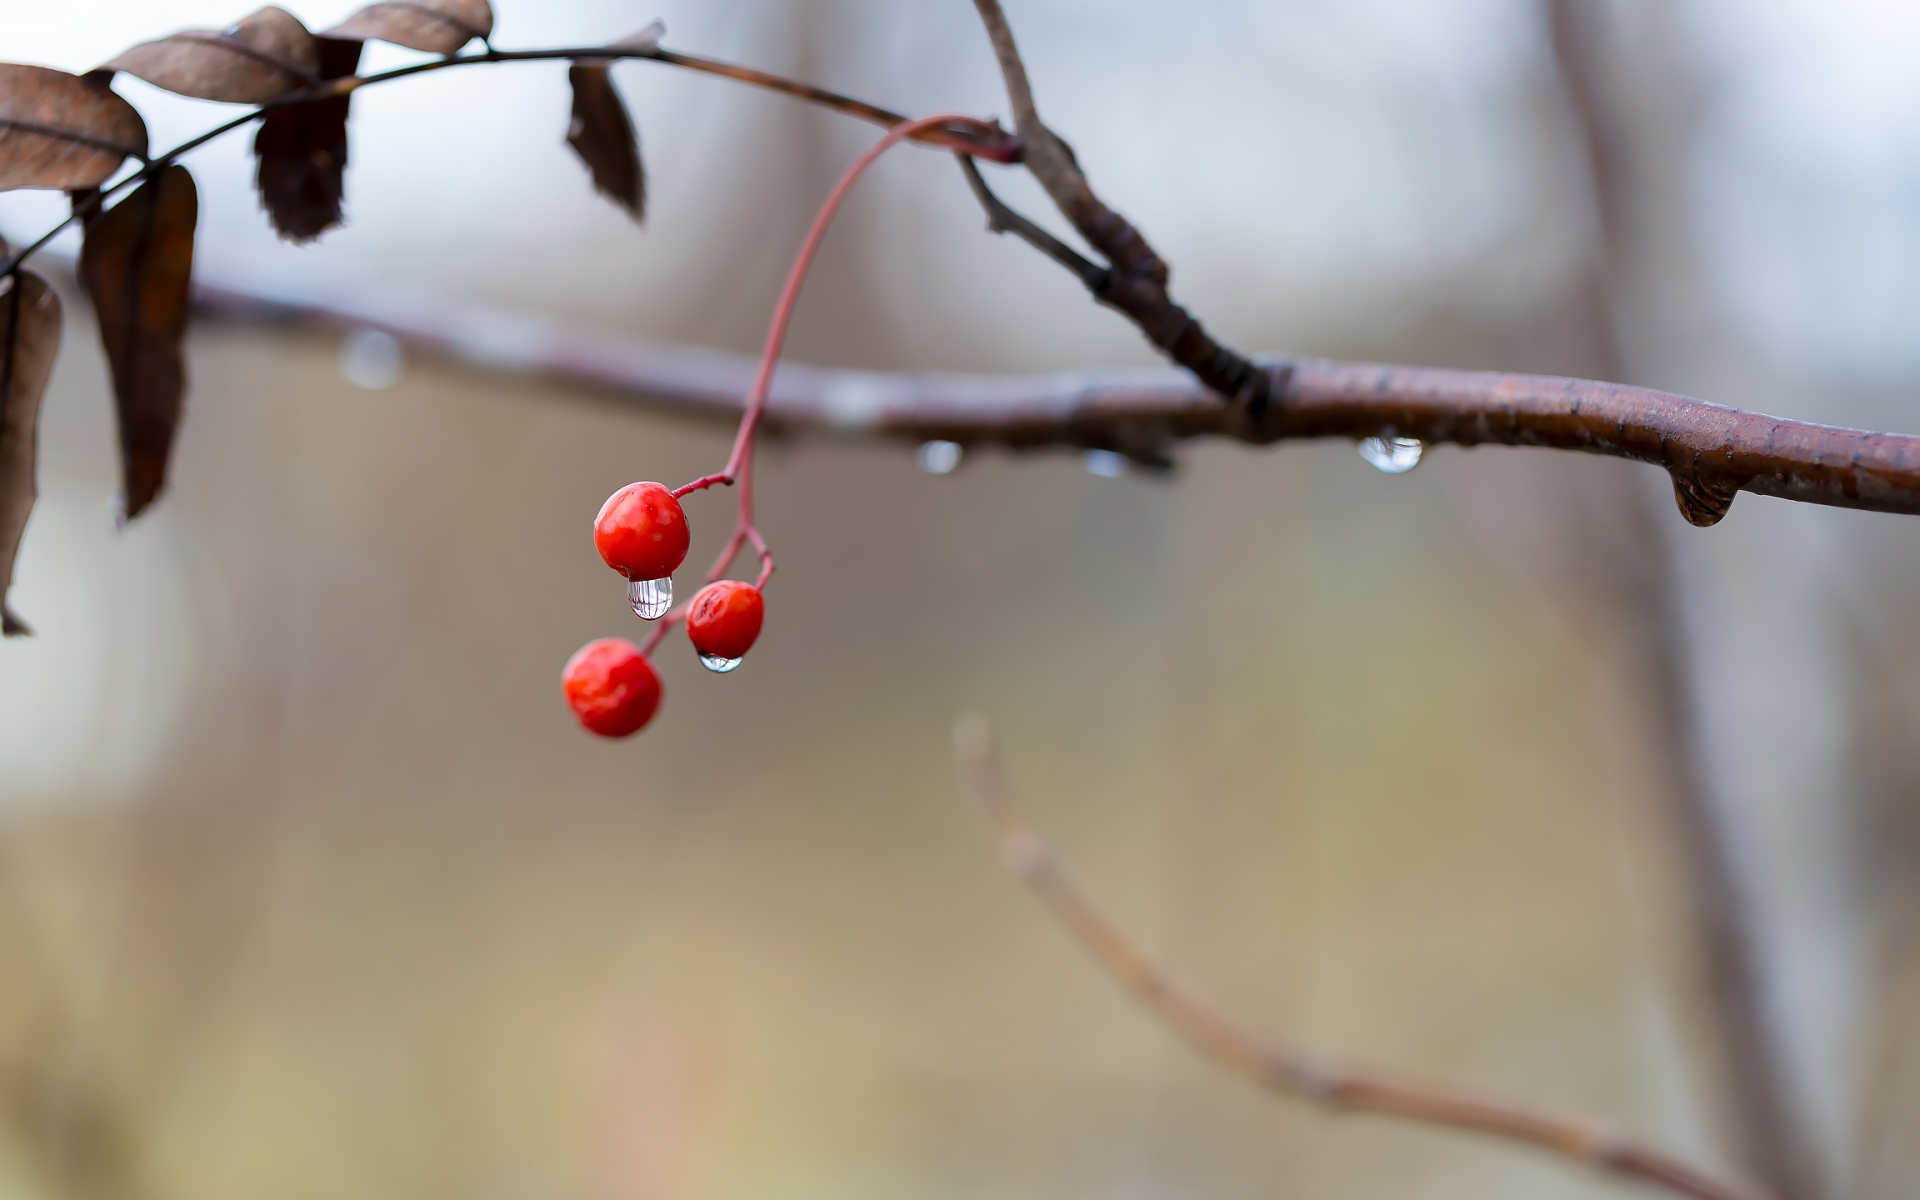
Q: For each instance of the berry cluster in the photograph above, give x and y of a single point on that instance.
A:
(641, 532)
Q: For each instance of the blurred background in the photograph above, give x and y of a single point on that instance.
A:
(310, 887)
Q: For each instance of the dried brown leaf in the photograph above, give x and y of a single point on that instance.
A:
(62, 131)
(29, 339)
(303, 153)
(602, 135)
(136, 263)
(436, 26)
(262, 58)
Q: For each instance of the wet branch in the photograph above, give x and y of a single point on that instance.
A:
(1709, 450)
(1284, 1069)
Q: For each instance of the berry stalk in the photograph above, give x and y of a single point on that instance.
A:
(739, 468)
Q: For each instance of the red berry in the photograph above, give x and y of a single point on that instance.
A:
(641, 531)
(724, 619)
(611, 687)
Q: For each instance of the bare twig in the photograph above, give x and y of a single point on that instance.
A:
(968, 137)
(1142, 413)
(1770, 1140)
(1284, 1069)
(1137, 285)
(1001, 219)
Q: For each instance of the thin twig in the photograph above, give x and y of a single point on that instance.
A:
(1284, 1069)
(966, 136)
(1001, 219)
(1137, 285)
(960, 134)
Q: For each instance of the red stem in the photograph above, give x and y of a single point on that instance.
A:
(739, 468)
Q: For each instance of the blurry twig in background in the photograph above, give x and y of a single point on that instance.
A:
(1283, 1068)
(1771, 1139)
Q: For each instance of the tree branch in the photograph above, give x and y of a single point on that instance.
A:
(1137, 285)
(1284, 1069)
(1709, 450)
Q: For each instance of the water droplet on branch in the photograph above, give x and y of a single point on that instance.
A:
(651, 598)
(938, 458)
(1395, 456)
(718, 665)
(372, 359)
(1701, 503)
(1107, 464)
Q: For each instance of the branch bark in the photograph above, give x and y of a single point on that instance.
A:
(1285, 1069)
(1710, 451)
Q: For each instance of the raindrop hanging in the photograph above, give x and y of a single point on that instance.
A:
(650, 598)
(1395, 456)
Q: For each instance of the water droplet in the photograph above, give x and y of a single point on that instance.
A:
(372, 359)
(718, 665)
(855, 399)
(938, 458)
(651, 598)
(1107, 464)
(1395, 456)
(1700, 502)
